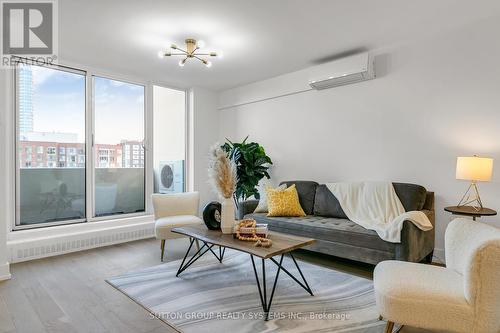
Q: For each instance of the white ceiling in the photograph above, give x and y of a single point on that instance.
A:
(259, 38)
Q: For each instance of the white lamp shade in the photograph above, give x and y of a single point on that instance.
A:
(474, 168)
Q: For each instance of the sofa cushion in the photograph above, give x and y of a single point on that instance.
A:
(412, 196)
(284, 202)
(326, 204)
(307, 191)
(326, 228)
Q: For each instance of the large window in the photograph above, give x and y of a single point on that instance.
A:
(119, 147)
(80, 154)
(50, 119)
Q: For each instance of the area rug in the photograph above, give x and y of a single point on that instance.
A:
(223, 297)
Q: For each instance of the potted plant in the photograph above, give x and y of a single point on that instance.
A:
(252, 165)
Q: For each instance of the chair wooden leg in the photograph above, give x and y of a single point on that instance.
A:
(389, 327)
(162, 248)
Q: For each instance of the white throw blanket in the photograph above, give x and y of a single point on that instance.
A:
(376, 206)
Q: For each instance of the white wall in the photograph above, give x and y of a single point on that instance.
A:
(433, 100)
(169, 107)
(204, 132)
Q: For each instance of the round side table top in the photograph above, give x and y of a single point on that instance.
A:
(470, 211)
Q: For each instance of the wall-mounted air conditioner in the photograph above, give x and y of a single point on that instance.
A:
(170, 177)
(344, 71)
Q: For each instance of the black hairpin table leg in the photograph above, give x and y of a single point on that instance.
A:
(266, 304)
(222, 250)
(302, 284)
(201, 251)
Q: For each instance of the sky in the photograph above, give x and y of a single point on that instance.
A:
(59, 106)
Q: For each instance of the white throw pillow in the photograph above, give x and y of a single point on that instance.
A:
(262, 206)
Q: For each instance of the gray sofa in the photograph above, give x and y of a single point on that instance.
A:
(336, 235)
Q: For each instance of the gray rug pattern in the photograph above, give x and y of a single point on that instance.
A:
(211, 296)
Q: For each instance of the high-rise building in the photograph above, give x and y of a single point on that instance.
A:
(25, 99)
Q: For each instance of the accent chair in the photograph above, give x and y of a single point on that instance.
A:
(174, 210)
(463, 297)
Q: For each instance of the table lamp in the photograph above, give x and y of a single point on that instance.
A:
(474, 169)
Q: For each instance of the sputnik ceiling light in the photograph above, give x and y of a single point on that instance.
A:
(192, 46)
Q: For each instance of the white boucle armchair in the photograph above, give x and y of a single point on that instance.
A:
(174, 210)
(464, 296)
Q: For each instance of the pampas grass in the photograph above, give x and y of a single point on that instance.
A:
(221, 172)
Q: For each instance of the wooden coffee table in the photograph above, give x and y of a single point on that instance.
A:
(282, 244)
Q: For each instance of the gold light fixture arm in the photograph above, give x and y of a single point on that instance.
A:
(183, 52)
(196, 56)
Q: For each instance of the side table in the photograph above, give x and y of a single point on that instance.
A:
(470, 211)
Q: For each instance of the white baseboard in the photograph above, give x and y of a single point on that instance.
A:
(4, 272)
(30, 245)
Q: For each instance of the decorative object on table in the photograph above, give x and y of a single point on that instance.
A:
(463, 297)
(470, 211)
(284, 202)
(212, 215)
(473, 169)
(222, 176)
(247, 230)
(259, 230)
(252, 165)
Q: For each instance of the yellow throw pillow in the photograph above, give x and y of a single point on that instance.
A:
(284, 202)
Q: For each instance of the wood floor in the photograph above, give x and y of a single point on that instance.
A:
(68, 293)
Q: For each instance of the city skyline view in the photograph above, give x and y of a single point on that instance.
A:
(53, 101)
(52, 120)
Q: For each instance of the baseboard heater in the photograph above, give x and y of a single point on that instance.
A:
(41, 248)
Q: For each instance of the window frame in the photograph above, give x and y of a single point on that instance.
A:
(89, 156)
(17, 166)
(147, 191)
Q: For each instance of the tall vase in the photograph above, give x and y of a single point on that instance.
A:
(227, 216)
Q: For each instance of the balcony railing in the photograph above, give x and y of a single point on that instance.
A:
(58, 194)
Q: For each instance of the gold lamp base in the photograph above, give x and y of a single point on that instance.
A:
(471, 198)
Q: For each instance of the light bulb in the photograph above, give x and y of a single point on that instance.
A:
(173, 46)
(200, 44)
(220, 54)
(208, 64)
(161, 54)
(182, 62)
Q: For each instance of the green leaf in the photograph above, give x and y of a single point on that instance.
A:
(252, 165)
